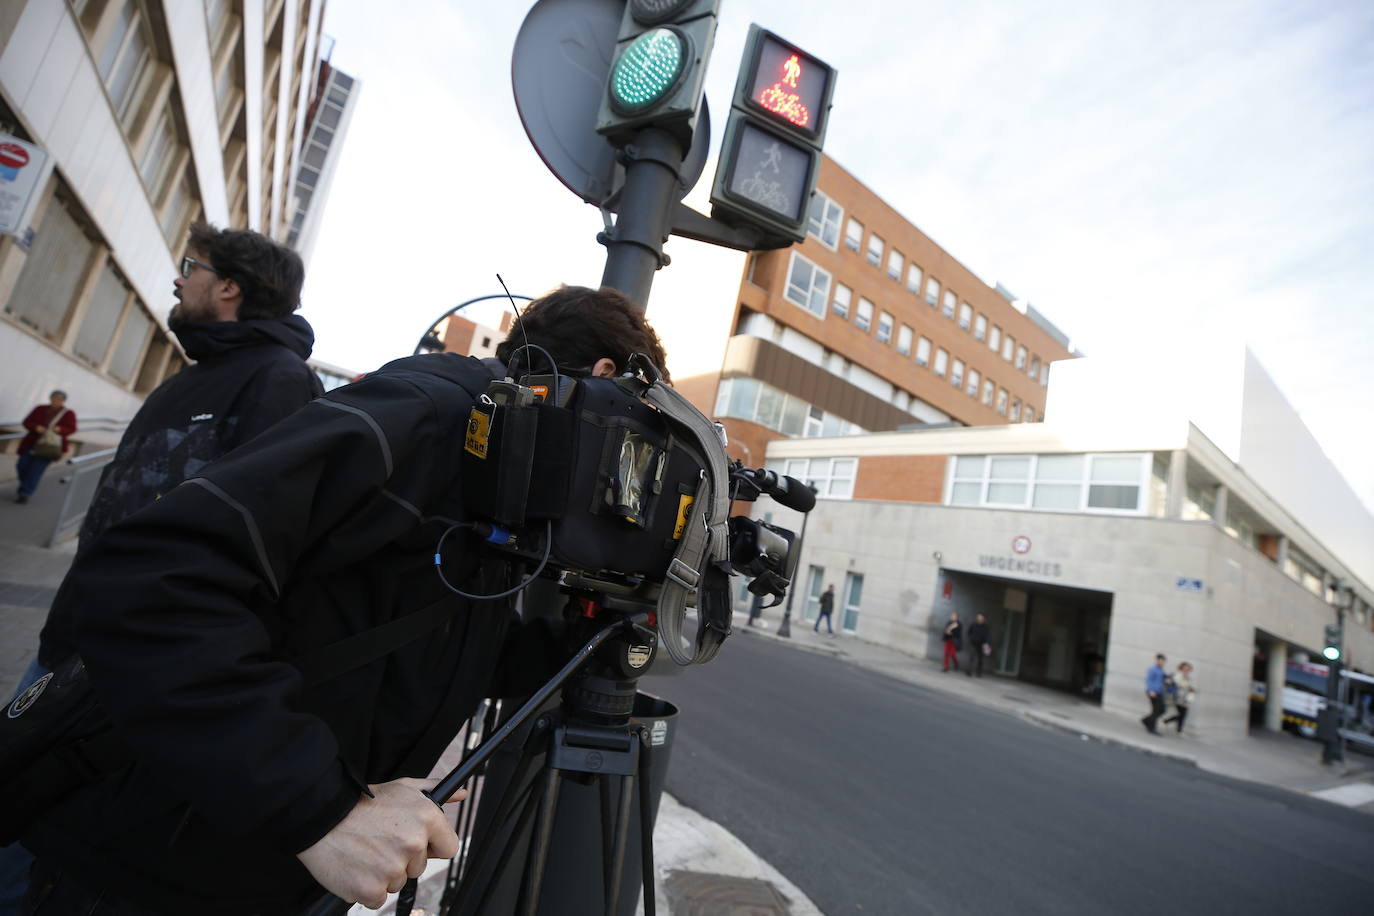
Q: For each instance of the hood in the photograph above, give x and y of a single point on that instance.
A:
(206, 340)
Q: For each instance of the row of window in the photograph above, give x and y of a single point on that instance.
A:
(833, 478)
(825, 218)
(808, 285)
(1109, 483)
(750, 399)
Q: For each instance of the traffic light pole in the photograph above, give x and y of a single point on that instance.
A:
(634, 246)
(1331, 716)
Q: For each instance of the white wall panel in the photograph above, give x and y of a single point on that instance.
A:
(190, 38)
(252, 106)
(23, 60)
(63, 58)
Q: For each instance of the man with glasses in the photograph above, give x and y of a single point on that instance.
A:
(237, 294)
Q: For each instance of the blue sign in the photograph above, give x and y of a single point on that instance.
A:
(1184, 584)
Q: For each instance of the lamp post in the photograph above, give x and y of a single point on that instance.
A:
(786, 629)
(1329, 725)
(430, 342)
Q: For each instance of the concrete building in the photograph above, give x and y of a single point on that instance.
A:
(151, 113)
(867, 325)
(336, 96)
(1094, 540)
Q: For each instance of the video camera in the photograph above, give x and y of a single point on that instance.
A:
(623, 486)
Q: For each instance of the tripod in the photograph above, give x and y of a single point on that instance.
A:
(584, 736)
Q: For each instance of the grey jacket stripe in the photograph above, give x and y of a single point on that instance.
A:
(404, 504)
(253, 533)
(367, 418)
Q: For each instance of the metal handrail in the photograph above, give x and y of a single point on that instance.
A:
(69, 522)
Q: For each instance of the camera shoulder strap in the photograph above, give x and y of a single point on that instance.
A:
(694, 574)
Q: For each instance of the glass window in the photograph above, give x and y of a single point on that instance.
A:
(884, 327)
(956, 374)
(994, 338)
(932, 291)
(824, 220)
(52, 273)
(1002, 401)
(894, 264)
(875, 249)
(973, 380)
(853, 596)
(965, 316)
(102, 314)
(989, 387)
(157, 158)
(941, 361)
(808, 285)
(1016, 410)
(1030, 414)
(1044, 374)
(1009, 479)
(853, 234)
(840, 304)
(980, 327)
(769, 410)
(967, 489)
(950, 301)
(1020, 357)
(793, 417)
(913, 278)
(124, 58)
(833, 478)
(723, 398)
(1008, 343)
(1034, 366)
(923, 352)
(815, 419)
(1115, 482)
(129, 346)
(904, 340)
(744, 394)
(863, 316)
(178, 209)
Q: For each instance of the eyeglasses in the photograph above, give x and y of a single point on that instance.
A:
(188, 266)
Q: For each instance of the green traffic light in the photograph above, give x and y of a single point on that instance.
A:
(648, 71)
(1331, 653)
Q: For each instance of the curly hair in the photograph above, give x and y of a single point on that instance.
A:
(270, 275)
(580, 325)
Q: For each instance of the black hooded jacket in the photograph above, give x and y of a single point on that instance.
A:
(190, 612)
(247, 376)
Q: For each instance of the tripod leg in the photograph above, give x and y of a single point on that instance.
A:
(622, 833)
(603, 783)
(539, 845)
(646, 832)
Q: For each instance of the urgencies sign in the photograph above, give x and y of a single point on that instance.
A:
(1017, 562)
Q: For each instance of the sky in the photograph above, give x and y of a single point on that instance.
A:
(1165, 181)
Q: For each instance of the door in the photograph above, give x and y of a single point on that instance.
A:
(814, 577)
(853, 594)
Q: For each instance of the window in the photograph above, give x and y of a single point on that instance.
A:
(1020, 357)
(808, 285)
(1035, 366)
(932, 291)
(951, 301)
(894, 264)
(965, 316)
(1058, 482)
(972, 383)
(995, 338)
(180, 207)
(1096, 483)
(129, 347)
(853, 234)
(1002, 401)
(1030, 414)
(941, 362)
(815, 423)
(853, 595)
(824, 222)
(884, 327)
(157, 157)
(840, 304)
(1044, 374)
(875, 249)
(833, 478)
(124, 58)
(913, 278)
(863, 317)
(52, 274)
(1016, 410)
(923, 352)
(814, 579)
(904, 340)
(989, 387)
(956, 374)
(106, 305)
(1008, 343)
(967, 485)
(980, 327)
(1116, 481)
(1008, 479)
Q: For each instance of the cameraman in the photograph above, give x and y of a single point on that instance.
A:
(250, 781)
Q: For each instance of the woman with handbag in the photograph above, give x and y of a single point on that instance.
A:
(49, 425)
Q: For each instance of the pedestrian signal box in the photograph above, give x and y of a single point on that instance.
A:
(772, 144)
(1331, 650)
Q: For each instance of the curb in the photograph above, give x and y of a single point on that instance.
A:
(1044, 720)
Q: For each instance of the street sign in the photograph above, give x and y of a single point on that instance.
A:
(559, 72)
(21, 173)
(1184, 584)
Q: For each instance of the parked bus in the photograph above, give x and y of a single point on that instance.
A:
(1304, 697)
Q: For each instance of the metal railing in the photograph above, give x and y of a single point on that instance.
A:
(80, 475)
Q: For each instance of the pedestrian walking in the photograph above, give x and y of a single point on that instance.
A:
(827, 607)
(1184, 692)
(48, 427)
(1154, 690)
(953, 637)
(979, 645)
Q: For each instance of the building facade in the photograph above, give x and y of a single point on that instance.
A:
(152, 113)
(869, 325)
(1090, 548)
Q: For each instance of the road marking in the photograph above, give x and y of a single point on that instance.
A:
(1352, 796)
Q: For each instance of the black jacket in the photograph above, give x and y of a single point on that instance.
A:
(978, 634)
(190, 611)
(248, 375)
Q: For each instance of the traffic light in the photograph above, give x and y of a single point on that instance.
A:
(659, 67)
(772, 145)
(1331, 647)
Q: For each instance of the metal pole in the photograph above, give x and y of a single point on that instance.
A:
(634, 247)
(786, 628)
(420, 346)
(1331, 747)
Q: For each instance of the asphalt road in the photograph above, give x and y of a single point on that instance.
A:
(878, 797)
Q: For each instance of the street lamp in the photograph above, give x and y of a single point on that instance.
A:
(786, 629)
(430, 342)
(1329, 723)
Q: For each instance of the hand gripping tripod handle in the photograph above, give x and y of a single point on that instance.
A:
(330, 905)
